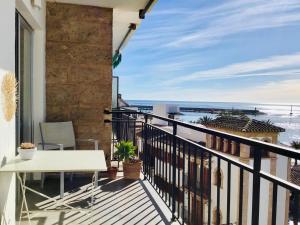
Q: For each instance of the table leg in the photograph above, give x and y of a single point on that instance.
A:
(94, 186)
(24, 200)
(22, 204)
(21, 211)
(3, 218)
(93, 189)
(62, 184)
(96, 179)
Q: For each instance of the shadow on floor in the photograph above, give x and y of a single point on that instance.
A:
(116, 202)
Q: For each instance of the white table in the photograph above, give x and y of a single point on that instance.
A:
(56, 161)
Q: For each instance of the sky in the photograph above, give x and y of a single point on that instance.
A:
(199, 50)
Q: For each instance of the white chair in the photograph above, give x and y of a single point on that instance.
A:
(60, 136)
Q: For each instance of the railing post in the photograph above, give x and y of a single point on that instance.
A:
(118, 126)
(145, 165)
(174, 170)
(256, 186)
(295, 208)
(134, 133)
(127, 127)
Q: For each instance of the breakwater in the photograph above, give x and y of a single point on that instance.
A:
(207, 110)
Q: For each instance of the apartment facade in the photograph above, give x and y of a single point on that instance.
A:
(216, 175)
(274, 164)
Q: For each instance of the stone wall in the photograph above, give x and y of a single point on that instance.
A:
(79, 69)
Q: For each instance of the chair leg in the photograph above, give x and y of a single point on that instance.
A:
(71, 177)
(42, 180)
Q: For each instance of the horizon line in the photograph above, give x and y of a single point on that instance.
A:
(260, 103)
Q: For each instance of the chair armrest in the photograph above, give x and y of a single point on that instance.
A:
(60, 146)
(90, 140)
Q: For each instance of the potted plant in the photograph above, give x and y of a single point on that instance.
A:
(26, 151)
(111, 170)
(131, 164)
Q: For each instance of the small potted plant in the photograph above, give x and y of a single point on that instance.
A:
(111, 170)
(131, 164)
(26, 151)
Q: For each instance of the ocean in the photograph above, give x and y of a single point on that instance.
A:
(278, 114)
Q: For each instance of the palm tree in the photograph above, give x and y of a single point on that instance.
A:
(269, 122)
(204, 120)
(295, 144)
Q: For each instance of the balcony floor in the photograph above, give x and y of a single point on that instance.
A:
(116, 202)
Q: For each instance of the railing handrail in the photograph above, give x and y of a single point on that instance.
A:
(246, 167)
(282, 150)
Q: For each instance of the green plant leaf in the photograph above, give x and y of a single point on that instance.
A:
(125, 150)
(295, 144)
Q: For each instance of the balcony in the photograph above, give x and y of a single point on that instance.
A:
(184, 182)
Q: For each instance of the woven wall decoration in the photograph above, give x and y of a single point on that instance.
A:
(9, 93)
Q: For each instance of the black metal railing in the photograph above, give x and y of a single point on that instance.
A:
(207, 184)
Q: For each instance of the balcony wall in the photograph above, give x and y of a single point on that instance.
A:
(7, 128)
(79, 69)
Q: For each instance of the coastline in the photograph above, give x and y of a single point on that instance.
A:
(278, 114)
(253, 112)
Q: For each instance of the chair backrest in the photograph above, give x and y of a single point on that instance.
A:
(58, 133)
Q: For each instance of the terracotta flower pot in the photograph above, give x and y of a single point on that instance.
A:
(112, 172)
(132, 170)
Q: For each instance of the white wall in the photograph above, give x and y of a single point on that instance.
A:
(282, 172)
(36, 18)
(234, 185)
(160, 110)
(264, 194)
(7, 129)
(191, 134)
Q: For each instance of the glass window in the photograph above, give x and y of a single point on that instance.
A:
(24, 118)
(115, 92)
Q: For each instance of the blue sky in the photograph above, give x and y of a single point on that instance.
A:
(199, 50)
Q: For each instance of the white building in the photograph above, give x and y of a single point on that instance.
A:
(271, 163)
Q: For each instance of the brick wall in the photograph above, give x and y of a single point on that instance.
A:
(79, 68)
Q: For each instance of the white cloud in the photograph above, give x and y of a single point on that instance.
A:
(194, 27)
(282, 65)
(236, 17)
(287, 91)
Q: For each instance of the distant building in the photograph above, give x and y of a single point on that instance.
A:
(165, 110)
(271, 163)
(246, 127)
(121, 102)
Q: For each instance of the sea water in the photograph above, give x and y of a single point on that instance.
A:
(278, 114)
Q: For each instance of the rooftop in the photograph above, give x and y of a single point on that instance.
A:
(295, 175)
(243, 124)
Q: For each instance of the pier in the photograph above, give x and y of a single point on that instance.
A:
(206, 110)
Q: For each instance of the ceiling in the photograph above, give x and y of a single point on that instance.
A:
(129, 5)
(124, 13)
